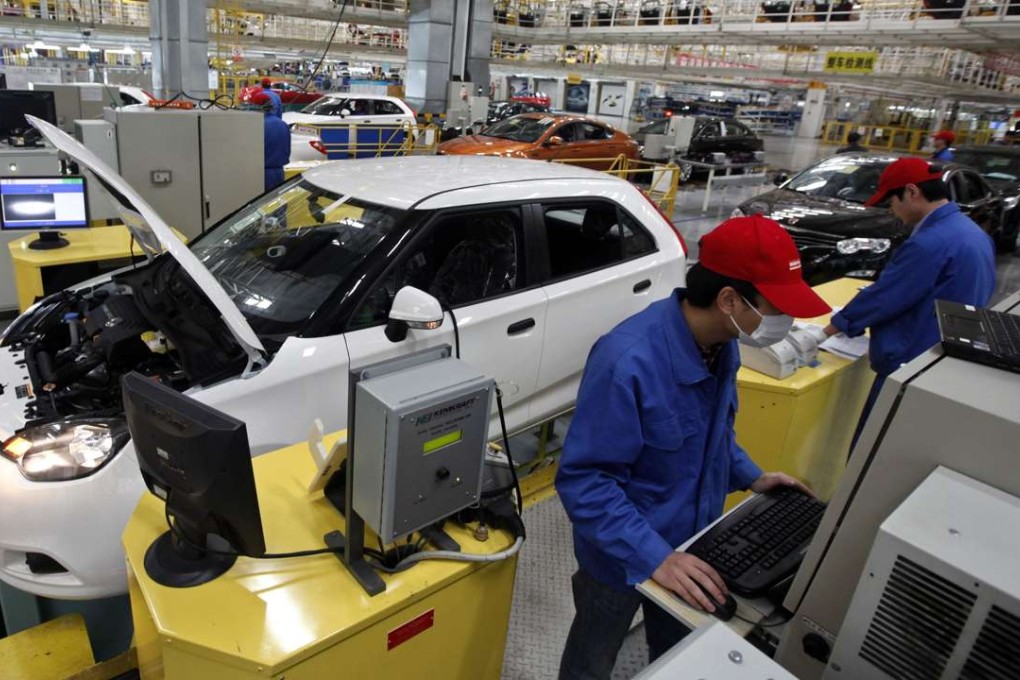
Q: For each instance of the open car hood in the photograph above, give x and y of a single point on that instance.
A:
(155, 237)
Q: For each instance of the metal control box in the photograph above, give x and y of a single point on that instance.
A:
(419, 440)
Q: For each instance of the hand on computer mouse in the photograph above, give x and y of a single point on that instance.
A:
(724, 611)
(692, 580)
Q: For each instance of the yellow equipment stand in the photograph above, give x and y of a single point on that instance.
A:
(803, 424)
(86, 245)
(307, 618)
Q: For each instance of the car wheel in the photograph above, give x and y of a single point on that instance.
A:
(686, 170)
(1007, 239)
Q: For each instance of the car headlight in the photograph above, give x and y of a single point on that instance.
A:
(849, 246)
(65, 449)
(752, 208)
(1010, 202)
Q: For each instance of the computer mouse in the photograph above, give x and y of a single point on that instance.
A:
(724, 611)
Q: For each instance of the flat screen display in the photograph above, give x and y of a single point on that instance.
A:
(14, 104)
(37, 203)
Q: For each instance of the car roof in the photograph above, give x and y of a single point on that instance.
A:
(996, 149)
(560, 117)
(359, 95)
(402, 182)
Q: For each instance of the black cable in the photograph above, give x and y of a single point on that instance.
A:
(509, 457)
(204, 103)
(329, 43)
(759, 624)
(456, 329)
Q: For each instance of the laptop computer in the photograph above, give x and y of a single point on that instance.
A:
(979, 335)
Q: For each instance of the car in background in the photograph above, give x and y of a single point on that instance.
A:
(501, 110)
(837, 235)
(339, 109)
(999, 164)
(293, 95)
(263, 316)
(545, 137)
(711, 137)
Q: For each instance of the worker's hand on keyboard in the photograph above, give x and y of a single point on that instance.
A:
(776, 480)
(681, 573)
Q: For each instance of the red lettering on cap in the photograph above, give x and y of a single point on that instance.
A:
(406, 631)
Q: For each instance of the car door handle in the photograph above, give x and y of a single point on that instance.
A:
(642, 285)
(520, 326)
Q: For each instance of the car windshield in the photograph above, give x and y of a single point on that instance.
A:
(330, 106)
(520, 128)
(992, 166)
(848, 178)
(280, 258)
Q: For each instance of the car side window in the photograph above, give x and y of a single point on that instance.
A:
(969, 187)
(709, 130)
(571, 132)
(594, 132)
(387, 108)
(586, 236)
(463, 258)
(734, 129)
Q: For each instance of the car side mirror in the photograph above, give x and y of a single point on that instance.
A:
(344, 113)
(555, 140)
(412, 308)
(780, 178)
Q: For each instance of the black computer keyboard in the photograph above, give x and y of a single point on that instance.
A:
(762, 542)
(1004, 330)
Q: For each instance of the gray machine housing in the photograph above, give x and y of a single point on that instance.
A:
(193, 167)
(400, 486)
(936, 410)
(939, 595)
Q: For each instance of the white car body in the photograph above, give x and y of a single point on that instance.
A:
(78, 522)
(362, 109)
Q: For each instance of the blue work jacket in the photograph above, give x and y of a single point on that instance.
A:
(651, 453)
(948, 257)
(944, 156)
(276, 149)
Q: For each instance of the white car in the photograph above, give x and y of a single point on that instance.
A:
(263, 316)
(334, 109)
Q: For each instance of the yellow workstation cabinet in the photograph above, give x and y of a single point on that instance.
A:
(307, 618)
(803, 424)
(95, 245)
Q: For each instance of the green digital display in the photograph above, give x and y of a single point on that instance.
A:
(441, 441)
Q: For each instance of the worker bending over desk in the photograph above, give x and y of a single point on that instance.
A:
(651, 452)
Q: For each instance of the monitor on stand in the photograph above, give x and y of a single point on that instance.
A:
(44, 204)
(14, 104)
(198, 461)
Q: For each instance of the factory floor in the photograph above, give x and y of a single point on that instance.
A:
(543, 607)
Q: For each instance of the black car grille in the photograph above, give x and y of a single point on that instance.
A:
(813, 239)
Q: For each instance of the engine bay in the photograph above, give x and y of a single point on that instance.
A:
(152, 319)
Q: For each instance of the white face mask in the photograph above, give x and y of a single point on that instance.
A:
(771, 330)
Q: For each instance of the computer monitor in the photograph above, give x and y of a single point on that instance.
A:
(44, 204)
(14, 104)
(198, 461)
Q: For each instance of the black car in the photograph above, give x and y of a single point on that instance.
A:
(999, 164)
(712, 136)
(837, 235)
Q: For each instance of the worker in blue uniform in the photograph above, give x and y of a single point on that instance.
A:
(651, 452)
(276, 135)
(946, 257)
(943, 140)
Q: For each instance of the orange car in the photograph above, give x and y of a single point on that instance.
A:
(547, 136)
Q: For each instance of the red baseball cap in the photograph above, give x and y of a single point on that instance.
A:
(946, 135)
(900, 173)
(757, 250)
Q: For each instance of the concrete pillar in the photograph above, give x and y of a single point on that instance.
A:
(180, 47)
(449, 40)
(813, 117)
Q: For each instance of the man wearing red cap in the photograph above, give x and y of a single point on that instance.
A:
(947, 257)
(943, 139)
(651, 452)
